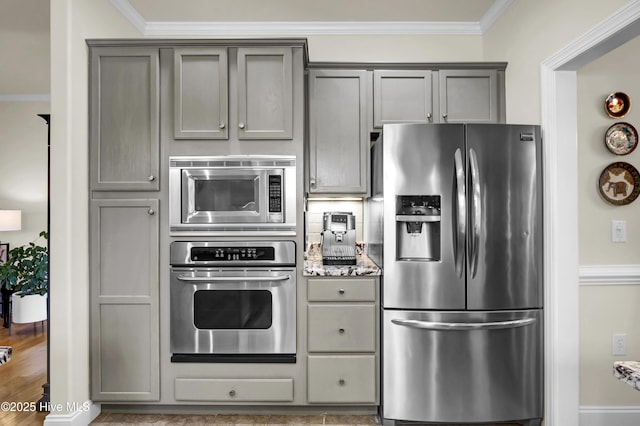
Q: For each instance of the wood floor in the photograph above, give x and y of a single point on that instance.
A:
(21, 379)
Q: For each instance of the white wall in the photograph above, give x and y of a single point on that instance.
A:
(529, 33)
(606, 309)
(23, 168)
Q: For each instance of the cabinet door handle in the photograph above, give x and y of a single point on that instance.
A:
(221, 125)
(341, 291)
(151, 212)
(445, 116)
(341, 330)
(312, 182)
(429, 117)
(342, 382)
(241, 125)
(151, 178)
(232, 393)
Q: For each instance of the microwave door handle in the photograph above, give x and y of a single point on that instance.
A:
(464, 326)
(234, 278)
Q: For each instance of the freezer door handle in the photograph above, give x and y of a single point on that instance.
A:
(461, 214)
(464, 326)
(476, 213)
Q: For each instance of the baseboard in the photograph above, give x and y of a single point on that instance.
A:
(82, 416)
(609, 416)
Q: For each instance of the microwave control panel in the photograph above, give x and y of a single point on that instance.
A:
(275, 193)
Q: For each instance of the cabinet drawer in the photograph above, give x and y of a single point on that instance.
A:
(342, 379)
(336, 290)
(342, 328)
(231, 390)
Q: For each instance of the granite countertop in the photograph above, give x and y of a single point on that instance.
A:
(5, 354)
(313, 264)
(628, 372)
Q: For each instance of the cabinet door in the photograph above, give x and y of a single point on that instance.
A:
(124, 119)
(200, 93)
(342, 379)
(402, 96)
(125, 352)
(338, 143)
(342, 328)
(469, 96)
(265, 93)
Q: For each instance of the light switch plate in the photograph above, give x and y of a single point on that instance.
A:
(619, 231)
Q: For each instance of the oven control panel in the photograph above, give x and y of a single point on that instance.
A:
(231, 254)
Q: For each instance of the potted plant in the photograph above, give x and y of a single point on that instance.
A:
(25, 274)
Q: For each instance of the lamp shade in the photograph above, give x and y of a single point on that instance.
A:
(10, 220)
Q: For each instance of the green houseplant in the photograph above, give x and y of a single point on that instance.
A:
(26, 269)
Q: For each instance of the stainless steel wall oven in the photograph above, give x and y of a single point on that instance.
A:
(233, 301)
(225, 194)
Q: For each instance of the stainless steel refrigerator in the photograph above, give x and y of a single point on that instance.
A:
(457, 212)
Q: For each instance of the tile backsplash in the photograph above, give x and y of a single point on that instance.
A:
(316, 209)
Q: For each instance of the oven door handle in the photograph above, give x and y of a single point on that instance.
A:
(233, 278)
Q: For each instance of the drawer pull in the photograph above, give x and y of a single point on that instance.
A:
(341, 291)
(341, 331)
(342, 382)
(232, 393)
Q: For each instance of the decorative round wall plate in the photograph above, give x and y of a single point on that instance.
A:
(621, 138)
(619, 183)
(617, 104)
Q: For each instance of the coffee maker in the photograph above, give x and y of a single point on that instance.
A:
(338, 238)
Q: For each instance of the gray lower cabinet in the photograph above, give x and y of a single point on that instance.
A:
(469, 96)
(342, 341)
(402, 96)
(124, 262)
(124, 118)
(259, 85)
(338, 138)
(234, 390)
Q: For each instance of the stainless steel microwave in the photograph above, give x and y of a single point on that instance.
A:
(229, 195)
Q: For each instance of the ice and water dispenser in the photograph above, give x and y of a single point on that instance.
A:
(418, 227)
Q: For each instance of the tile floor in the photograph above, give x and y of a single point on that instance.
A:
(232, 420)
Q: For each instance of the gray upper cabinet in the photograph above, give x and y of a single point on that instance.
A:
(338, 140)
(402, 96)
(469, 96)
(124, 119)
(265, 93)
(200, 93)
(125, 336)
(259, 84)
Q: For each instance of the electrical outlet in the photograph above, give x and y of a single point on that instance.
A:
(619, 344)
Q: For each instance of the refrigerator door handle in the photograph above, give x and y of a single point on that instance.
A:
(464, 326)
(476, 212)
(461, 213)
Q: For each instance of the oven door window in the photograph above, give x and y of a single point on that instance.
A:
(232, 309)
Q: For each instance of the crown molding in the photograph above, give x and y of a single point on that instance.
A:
(497, 9)
(132, 15)
(289, 28)
(308, 28)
